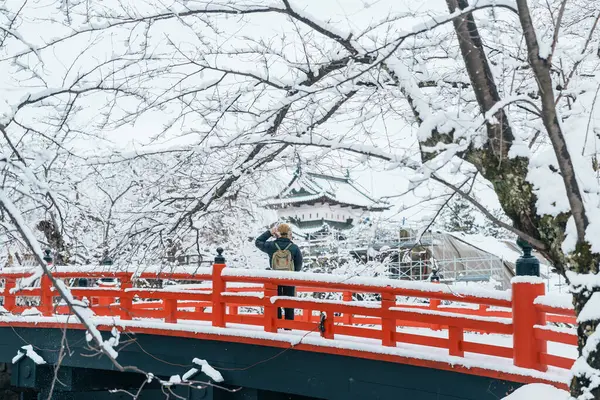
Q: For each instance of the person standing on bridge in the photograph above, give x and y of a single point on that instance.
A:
(283, 256)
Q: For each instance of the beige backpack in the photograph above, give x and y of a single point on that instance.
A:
(282, 260)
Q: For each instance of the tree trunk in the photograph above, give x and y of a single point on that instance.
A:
(500, 135)
(586, 299)
(541, 69)
(507, 175)
(585, 384)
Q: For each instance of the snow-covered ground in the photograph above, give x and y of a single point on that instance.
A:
(538, 391)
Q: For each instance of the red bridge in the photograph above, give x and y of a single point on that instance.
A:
(352, 338)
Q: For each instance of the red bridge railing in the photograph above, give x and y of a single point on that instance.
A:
(240, 296)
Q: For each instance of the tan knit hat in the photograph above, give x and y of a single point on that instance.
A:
(284, 230)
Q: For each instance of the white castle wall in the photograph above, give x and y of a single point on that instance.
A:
(321, 211)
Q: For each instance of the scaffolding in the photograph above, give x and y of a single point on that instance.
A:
(414, 256)
(453, 258)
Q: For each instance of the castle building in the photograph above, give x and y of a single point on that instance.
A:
(315, 203)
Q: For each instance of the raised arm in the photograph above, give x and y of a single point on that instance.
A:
(261, 241)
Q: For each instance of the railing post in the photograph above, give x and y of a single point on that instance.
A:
(306, 315)
(455, 339)
(347, 317)
(46, 296)
(126, 299)
(327, 328)
(46, 288)
(218, 287)
(526, 287)
(10, 299)
(270, 308)
(526, 347)
(234, 310)
(170, 309)
(434, 304)
(388, 324)
(106, 301)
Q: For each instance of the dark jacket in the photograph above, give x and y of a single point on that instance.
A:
(270, 248)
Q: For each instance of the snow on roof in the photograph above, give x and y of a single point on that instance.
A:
(489, 245)
(308, 186)
(309, 230)
(296, 199)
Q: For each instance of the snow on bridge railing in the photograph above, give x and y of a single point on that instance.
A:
(557, 309)
(227, 295)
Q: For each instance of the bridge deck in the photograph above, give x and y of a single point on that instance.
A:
(510, 337)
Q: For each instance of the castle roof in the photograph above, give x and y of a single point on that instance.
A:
(311, 188)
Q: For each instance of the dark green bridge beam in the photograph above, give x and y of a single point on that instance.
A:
(290, 375)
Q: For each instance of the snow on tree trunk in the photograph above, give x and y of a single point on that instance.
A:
(585, 286)
(586, 371)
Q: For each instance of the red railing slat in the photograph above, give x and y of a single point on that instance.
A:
(554, 336)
